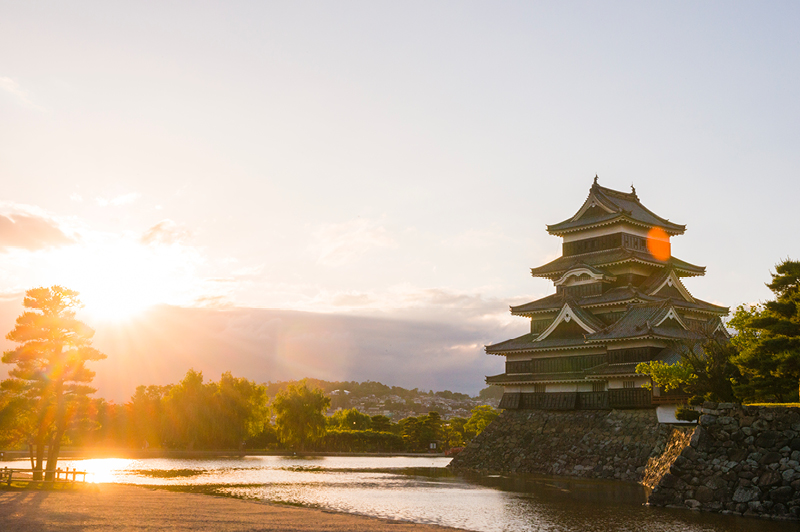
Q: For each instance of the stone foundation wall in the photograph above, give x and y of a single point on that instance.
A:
(740, 460)
(614, 444)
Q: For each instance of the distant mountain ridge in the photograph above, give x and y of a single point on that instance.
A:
(268, 345)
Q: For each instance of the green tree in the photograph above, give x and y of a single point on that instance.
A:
(456, 435)
(705, 370)
(481, 416)
(188, 408)
(431, 428)
(300, 417)
(769, 339)
(241, 410)
(50, 379)
(491, 392)
(194, 414)
(350, 419)
(450, 437)
(411, 430)
(381, 423)
(146, 415)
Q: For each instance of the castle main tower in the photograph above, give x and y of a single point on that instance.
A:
(619, 301)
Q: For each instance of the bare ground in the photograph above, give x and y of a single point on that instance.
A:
(101, 507)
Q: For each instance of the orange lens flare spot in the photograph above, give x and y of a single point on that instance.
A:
(658, 243)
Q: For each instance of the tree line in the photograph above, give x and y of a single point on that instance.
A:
(45, 403)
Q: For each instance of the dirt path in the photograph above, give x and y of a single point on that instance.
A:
(113, 507)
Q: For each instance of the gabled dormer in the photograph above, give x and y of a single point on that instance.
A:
(671, 319)
(571, 322)
(669, 285)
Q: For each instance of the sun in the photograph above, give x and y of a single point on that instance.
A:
(116, 302)
(119, 279)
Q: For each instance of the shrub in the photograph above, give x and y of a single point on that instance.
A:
(686, 413)
(360, 441)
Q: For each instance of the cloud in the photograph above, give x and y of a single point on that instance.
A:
(409, 302)
(165, 232)
(473, 238)
(340, 244)
(31, 231)
(270, 345)
(124, 199)
(12, 87)
(76, 197)
(351, 299)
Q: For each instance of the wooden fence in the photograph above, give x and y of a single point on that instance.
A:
(7, 475)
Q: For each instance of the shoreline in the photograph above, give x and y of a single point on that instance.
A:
(90, 453)
(126, 507)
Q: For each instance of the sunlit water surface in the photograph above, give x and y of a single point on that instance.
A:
(421, 490)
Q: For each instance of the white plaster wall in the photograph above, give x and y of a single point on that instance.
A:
(565, 387)
(666, 414)
(523, 388)
(614, 384)
(639, 269)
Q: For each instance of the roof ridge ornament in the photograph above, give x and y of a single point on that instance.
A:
(595, 181)
(633, 191)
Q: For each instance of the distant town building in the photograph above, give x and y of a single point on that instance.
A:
(619, 301)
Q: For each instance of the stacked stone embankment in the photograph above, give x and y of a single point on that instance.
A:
(613, 444)
(740, 460)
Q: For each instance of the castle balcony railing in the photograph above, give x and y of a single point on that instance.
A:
(630, 398)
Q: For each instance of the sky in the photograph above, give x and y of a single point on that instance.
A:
(381, 170)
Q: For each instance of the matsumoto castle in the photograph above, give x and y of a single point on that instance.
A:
(619, 301)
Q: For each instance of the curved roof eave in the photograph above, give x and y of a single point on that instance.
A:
(533, 349)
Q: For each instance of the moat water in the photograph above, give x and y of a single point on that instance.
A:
(422, 490)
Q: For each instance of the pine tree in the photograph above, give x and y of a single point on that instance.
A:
(50, 377)
(769, 339)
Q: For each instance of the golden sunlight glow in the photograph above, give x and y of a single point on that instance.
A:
(102, 470)
(120, 278)
(658, 243)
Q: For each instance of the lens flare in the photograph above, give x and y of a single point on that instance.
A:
(658, 243)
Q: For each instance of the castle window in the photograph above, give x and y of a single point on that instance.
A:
(599, 386)
(539, 388)
(629, 384)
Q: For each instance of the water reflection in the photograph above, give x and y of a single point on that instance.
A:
(422, 490)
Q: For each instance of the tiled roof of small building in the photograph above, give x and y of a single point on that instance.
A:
(623, 205)
(562, 264)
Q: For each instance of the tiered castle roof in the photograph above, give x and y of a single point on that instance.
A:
(613, 295)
